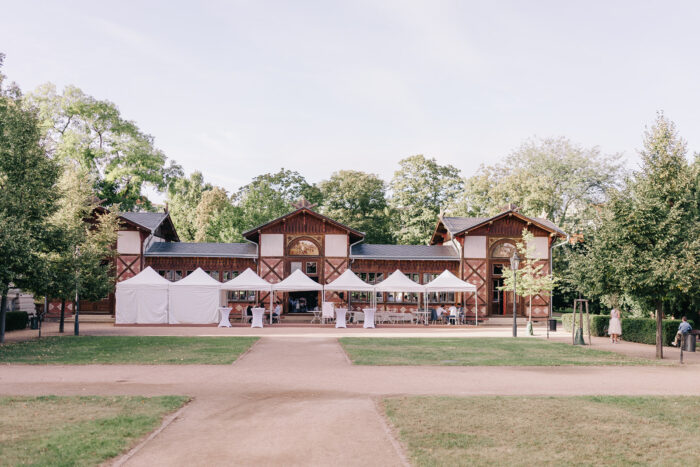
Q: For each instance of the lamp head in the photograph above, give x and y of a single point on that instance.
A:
(515, 261)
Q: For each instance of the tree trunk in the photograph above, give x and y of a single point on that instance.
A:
(76, 310)
(63, 315)
(3, 305)
(659, 330)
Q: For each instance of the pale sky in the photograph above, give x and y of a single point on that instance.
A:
(236, 89)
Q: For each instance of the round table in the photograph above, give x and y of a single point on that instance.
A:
(340, 317)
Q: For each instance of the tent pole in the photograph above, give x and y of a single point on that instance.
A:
(476, 310)
(271, 305)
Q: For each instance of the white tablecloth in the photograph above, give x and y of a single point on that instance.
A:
(340, 317)
(225, 312)
(369, 317)
(258, 315)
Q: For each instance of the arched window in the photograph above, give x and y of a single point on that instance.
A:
(503, 250)
(303, 247)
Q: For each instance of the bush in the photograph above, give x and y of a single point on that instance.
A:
(599, 324)
(16, 320)
(644, 330)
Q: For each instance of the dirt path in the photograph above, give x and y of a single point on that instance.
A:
(296, 400)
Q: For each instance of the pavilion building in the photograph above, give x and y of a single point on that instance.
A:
(476, 250)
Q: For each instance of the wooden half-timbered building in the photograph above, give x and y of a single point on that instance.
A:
(475, 249)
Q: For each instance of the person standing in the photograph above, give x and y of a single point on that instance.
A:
(615, 326)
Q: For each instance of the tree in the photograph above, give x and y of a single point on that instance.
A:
(212, 204)
(552, 178)
(269, 196)
(531, 280)
(81, 261)
(27, 195)
(358, 200)
(421, 188)
(647, 244)
(121, 159)
(184, 195)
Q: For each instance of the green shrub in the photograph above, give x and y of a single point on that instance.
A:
(565, 310)
(599, 324)
(16, 320)
(644, 330)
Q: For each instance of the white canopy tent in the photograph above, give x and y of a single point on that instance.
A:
(194, 299)
(349, 282)
(297, 282)
(142, 299)
(448, 282)
(249, 280)
(398, 282)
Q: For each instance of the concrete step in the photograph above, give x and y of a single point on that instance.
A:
(91, 319)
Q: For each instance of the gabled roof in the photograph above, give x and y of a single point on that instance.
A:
(252, 234)
(460, 225)
(404, 252)
(211, 250)
(158, 223)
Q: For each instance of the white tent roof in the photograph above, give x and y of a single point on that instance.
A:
(198, 278)
(398, 282)
(147, 277)
(247, 280)
(297, 282)
(350, 282)
(448, 282)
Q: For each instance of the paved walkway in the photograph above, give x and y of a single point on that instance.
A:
(294, 399)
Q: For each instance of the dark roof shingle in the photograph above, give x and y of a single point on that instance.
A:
(417, 252)
(147, 220)
(212, 250)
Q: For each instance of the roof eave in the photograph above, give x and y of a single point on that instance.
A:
(407, 258)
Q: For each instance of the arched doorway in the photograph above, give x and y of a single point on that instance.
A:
(304, 253)
(501, 302)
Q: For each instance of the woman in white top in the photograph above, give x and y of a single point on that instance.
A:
(615, 326)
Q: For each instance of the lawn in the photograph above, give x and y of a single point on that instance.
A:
(50, 430)
(156, 350)
(487, 351)
(593, 430)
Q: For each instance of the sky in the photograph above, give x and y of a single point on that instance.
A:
(236, 89)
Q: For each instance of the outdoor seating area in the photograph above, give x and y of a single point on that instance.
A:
(148, 298)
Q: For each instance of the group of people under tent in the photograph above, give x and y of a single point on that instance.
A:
(453, 315)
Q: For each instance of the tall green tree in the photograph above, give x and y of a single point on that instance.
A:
(647, 244)
(184, 195)
(121, 158)
(271, 195)
(27, 194)
(358, 199)
(421, 188)
(80, 263)
(553, 178)
(212, 204)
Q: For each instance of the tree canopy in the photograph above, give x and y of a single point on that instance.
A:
(358, 200)
(420, 189)
(121, 158)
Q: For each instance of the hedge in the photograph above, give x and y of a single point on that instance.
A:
(642, 330)
(599, 324)
(16, 320)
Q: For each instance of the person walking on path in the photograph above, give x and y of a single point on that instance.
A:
(683, 329)
(615, 326)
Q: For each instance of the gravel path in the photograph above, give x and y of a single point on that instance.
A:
(294, 399)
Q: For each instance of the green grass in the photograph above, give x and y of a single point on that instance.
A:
(68, 431)
(157, 350)
(484, 351)
(524, 431)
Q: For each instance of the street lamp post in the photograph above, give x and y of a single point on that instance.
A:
(514, 265)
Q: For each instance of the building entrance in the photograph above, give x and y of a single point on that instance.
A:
(302, 302)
